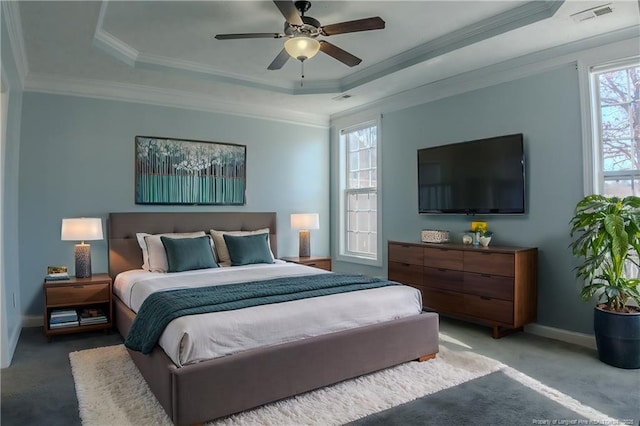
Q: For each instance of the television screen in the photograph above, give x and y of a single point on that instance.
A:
(484, 176)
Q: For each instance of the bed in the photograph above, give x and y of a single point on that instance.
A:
(209, 389)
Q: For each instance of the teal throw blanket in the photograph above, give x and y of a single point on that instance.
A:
(160, 308)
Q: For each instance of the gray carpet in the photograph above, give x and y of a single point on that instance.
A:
(492, 399)
(38, 388)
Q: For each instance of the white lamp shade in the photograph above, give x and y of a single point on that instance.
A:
(81, 229)
(302, 48)
(305, 221)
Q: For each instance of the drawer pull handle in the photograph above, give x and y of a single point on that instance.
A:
(442, 270)
(311, 264)
(406, 264)
(78, 286)
(486, 254)
(485, 275)
(485, 298)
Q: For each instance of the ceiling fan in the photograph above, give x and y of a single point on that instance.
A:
(302, 32)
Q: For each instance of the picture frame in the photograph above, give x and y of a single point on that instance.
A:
(192, 172)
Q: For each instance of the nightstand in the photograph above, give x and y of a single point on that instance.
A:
(79, 294)
(320, 262)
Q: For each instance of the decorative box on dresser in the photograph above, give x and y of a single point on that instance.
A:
(492, 285)
(77, 294)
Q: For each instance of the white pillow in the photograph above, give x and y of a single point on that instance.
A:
(143, 245)
(153, 255)
(221, 247)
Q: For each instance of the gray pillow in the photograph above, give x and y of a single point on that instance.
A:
(186, 254)
(248, 249)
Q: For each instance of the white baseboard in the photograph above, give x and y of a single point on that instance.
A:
(32, 321)
(581, 339)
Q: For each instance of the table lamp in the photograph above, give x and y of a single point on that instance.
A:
(304, 222)
(82, 229)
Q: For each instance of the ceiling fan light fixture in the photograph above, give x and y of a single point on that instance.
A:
(302, 48)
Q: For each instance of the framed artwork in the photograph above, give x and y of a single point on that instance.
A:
(182, 171)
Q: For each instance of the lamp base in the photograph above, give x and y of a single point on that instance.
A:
(305, 239)
(83, 260)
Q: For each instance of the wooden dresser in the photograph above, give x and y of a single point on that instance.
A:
(496, 286)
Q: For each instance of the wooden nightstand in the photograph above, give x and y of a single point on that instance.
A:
(321, 262)
(78, 294)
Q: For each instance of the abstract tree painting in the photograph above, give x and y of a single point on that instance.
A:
(176, 171)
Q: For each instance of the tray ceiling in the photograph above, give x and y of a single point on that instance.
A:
(169, 46)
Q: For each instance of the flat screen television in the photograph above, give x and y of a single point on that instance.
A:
(484, 176)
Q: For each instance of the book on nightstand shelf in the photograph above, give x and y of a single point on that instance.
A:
(92, 316)
(61, 318)
(57, 276)
(64, 324)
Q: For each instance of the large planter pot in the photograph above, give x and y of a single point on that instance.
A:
(617, 338)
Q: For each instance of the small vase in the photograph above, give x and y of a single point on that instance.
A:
(484, 241)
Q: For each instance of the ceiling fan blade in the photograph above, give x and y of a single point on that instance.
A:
(339, 54)
(367, 24)
(289, 11)
(248, 35)
(279, 61)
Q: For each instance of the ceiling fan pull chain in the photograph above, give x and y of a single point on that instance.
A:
(302, 73)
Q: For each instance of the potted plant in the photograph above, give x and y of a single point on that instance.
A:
(607, 238)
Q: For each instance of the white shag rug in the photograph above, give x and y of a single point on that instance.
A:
(120, 395)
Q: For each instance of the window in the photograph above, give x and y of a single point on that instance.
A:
(359, 203)
(615, 109)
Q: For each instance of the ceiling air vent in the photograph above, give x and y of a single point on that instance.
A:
(594, 12)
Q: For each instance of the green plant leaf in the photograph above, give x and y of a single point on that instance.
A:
(606, 236)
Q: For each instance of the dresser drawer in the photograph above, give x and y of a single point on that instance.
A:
(405, 254)
(78, 294)
(489, 263)
(405, 273)
(443, 301)
(443, 258)
(494, 286)
(444, 279)
(489, 309)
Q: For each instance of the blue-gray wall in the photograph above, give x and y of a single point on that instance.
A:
(546, 109)
(11, 322)
(76, 159)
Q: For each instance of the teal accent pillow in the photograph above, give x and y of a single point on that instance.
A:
(248, 249)
(186, 254)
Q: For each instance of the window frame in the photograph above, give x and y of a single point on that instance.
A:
(593, 62)
(343, 254)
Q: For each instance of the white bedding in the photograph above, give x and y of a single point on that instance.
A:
(201, 337)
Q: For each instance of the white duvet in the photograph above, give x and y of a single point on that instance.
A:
(201, 337)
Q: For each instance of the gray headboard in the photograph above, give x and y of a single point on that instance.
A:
(125, 253)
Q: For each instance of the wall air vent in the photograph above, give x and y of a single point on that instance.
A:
(592, 13)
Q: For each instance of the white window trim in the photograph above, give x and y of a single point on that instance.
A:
(340, 237)
(605, 56)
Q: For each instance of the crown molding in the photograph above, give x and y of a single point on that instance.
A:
(120, 50)
(624, 41)
(518, 17)
(523, 15)
(166, 97)
(11, 11)
(195, 69)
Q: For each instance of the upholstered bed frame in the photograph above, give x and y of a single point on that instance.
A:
(207, 390)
